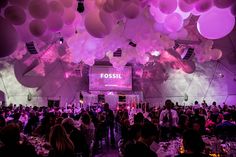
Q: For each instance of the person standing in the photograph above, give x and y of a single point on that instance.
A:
(110, 123)
(168, 121)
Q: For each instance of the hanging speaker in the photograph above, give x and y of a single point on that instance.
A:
(117, 53)
(31, 48)
(187, 54)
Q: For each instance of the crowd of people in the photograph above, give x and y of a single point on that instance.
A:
(172, 121)
(70, 134)
(66, 134)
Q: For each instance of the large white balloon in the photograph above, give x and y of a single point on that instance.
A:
(185, 7)
(184, 15)
(215, 54)
(188, 66)
(15, 15)
(100, 3)
(173, 22)
(9, 38)
(203, 5)
(191, 1)
(94, 25)
(233, 9)
(37, 27)
(24, 32)
(39, 9)
(157, 14)
(131, 10)
(107, 20)
(223, 3)
(67, 3)
(182, 34)
(54, 22)
(168, 6)
(112, 5)
(22, 3)
(56, 7)
(216, 23)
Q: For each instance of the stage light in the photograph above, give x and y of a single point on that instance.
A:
(220, 75)
(155, 53)
(80, 7)
(61, 40)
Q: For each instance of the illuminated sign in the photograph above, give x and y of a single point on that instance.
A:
(110, 76)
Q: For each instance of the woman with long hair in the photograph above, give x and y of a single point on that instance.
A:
(61, 144)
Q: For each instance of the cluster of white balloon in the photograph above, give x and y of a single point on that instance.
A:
(24, 21)
(106, 25)
(216, 20)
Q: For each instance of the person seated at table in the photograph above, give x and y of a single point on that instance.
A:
(2, 121)
(226, 129)
(76, 137)
(62, 146)
(138, 118)
(13, 147)
(193, 144)
(197, 122)
(142, 147)
(133, 135)
(183, 123)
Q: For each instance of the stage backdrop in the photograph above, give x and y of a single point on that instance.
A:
(107, 78)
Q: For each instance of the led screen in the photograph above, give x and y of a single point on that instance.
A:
(107, 78)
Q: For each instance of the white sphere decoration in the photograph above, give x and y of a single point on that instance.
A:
(9, 38)
(112, 5)
(21, 3)
(173, 22)
(16, 15)
(37, 27)
(216, 23)
(184, 15)
(56, 7)
(185, 7)
(131, 10)
(157, 14)
(188, 66)
(94, 25)
(203, 5)
(167, 6)
(215, 54)
(39, 9)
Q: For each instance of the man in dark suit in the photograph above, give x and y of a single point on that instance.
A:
(226, 129)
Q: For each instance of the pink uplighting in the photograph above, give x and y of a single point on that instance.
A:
(117, 78)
